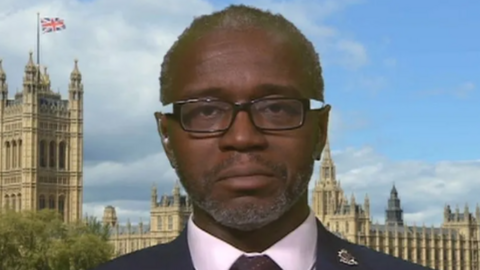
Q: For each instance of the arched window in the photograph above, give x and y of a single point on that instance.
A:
(41, 202)
(7, 155)
(7, 202)
(170, 223)
(13, 200)
(159, 223)
(43, 154)
(52, 151)
(61, 205)
(19, 200)
(51, 202)
(14, 154)
(19, 153)
(62, 159)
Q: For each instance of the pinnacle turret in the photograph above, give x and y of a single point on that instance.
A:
(394, 212)
(154, 196)
(31, 75)
(3, 76)
(76, 75)
(327, 167)
(30, 62)
(176, 194)
(393, 192)
(3, 83)
(327, 154)
(76, 86)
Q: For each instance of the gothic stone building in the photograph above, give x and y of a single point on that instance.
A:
(452, 246)
(42, 144)
(168, 217)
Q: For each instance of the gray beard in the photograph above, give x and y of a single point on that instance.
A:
(246, 216)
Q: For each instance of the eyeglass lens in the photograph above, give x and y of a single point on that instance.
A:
(210, 115)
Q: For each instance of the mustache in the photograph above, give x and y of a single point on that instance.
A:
(278, 169)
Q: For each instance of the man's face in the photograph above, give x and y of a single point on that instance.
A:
(243, 178)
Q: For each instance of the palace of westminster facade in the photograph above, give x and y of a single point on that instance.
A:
(41, 157)
(42, 167)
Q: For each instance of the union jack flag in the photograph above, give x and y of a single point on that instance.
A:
(52, 25)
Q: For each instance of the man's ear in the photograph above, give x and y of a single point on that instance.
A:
(163, 132)
(323, 117)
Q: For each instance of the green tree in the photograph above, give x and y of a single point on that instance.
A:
(41, 240)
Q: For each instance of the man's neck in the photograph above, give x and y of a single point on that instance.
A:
(258, 240)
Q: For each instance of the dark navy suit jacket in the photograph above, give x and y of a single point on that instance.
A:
(176, 256)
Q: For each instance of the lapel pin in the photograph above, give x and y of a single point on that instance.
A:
(346, 258)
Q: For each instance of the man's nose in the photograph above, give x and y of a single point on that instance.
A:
(243, 136)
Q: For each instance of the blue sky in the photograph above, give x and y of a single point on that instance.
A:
(402, 77)
(417, 113)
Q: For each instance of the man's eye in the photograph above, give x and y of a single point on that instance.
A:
(207, 111)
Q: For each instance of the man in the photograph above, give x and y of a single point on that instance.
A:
(243, 125)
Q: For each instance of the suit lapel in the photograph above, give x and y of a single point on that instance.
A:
(180, 254)
(334, 253)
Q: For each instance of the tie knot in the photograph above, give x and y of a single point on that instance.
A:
(261, 262)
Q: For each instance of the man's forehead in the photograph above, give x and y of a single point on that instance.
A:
(256, 91)
(223, 61)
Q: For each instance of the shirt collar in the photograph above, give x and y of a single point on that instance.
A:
(296, 251)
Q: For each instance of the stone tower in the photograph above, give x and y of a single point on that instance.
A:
(394, 212)
(327, 194)
(339, 214)
(42, 144)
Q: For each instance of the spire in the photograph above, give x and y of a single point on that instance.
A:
(394, 212)
(366, 205)
(327, 154)
(30, 62)
(154, 196)
(176, 193)
(327, 167)
(367, 199)
(75, 87)
(31, 71)
(3, 84)
(3, 76)
(393, 192)
(46, 77)
(76, 75)
(176, 188)
(446, 213)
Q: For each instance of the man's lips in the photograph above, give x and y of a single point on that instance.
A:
(244, 177)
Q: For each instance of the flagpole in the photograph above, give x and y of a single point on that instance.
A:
(38, 38)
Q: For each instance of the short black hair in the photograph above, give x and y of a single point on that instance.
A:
(238, 18)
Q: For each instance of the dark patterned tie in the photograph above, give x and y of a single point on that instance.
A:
(262, 262)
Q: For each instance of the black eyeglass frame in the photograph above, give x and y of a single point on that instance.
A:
(173, 110)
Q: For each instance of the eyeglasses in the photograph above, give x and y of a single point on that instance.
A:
(266, 114)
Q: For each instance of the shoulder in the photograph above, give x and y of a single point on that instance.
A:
(375, 260)
(147, 258)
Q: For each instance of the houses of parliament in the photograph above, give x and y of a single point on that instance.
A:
(41, 166)
(41, 161)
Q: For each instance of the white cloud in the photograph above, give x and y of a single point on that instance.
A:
(355, 54)
(390, 62)
(135, 211)
(423, 187)
(460, 91)
(464, 90)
